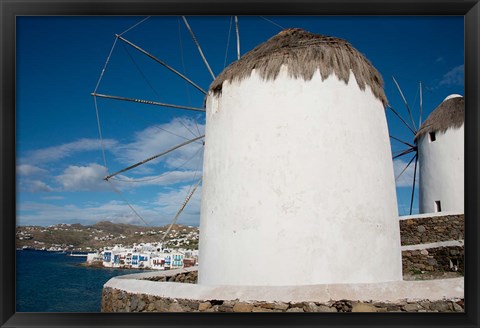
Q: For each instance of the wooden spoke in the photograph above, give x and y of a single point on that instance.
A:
(404, 142)
(405, 152)
(154, 157)
(181, 209)
(421, 100)
(148, 102)
(413, 187)
(238, 37)
(401, 118)
(406, 104)
(161, 63)
(406, 167)
(198, 47)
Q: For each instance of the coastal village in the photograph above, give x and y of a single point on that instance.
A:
(143, 256)
(110, 245)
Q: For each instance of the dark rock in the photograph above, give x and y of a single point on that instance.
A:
(175, 307)
(363, 307)
(204, 306)
(295, 309)
(243, 307)
(324, 308)
(457, 308)
(261, 309)
(224, 308)
(414, 307)
(310, 307)
(440, 306)
(281, 306)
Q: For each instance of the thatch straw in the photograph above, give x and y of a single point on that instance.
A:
(304, 53)
(449, 114)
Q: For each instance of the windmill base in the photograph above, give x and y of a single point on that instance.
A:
(138, 293)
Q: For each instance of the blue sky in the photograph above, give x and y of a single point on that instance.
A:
(60, 165)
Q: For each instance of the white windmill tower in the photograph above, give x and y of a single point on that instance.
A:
(438, 148)
(440, 143)
(298, 184)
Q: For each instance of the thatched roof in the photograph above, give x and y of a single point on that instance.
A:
(303, 53)
(449, 114)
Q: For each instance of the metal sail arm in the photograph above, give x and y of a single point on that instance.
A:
(154, 157)
(127, 202)
(181, 209)
(406, 104)
(405, 143)
(161, 63)
(408, 151)
(421, 104)
(401, 118)
(406, 167)
(148, 102)
(198, 46)
(238, 37)
(413, 188)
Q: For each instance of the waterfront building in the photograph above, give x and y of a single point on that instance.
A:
(142, 256)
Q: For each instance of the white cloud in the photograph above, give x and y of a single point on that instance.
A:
(53, 198)
(83, 178)
(32, 213)
(28, 170)
(406, 179)
(55, 153)
(170, 202)
(120, 212)
(36, 186)
(155, 140)
(164, 179)
(454, 77)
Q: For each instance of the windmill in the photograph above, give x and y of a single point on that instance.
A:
(437, 144)
(342, 86)
(440, 143)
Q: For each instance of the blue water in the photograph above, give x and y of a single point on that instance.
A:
(54, 282)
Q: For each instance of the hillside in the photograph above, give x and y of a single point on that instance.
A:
(76, 237)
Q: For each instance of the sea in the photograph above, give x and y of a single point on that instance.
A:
(55, 282)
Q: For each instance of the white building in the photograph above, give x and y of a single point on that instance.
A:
(440, 142)
(141, 256)
(94, 257)
(298, 182)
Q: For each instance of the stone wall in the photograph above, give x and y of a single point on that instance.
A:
(432, 229)
(114, 300)
(432, 244)
(440, 259)
(185, 277)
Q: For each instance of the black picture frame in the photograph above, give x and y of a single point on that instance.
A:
(9, 9)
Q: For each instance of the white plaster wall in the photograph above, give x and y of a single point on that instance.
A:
(437, 289)
(442, 171)
(297, 175)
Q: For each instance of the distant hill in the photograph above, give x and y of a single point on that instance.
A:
(77, 237)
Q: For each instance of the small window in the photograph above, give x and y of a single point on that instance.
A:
(432, 136)
(438, 206)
